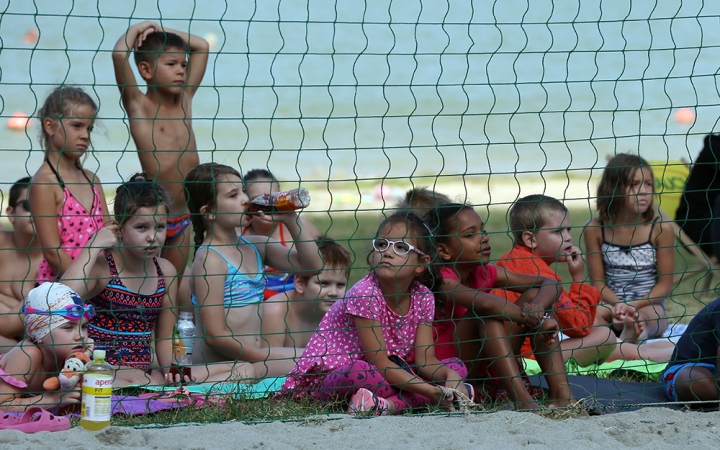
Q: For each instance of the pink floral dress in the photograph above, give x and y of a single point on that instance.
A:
(336, 343)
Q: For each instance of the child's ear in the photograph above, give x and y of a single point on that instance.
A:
(443, 252)
(423, 261)
(49, 125)
(529, 240)
(207, 212)
(300, 285)
(146, 70)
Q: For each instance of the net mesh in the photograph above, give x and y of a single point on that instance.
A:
(482, 102)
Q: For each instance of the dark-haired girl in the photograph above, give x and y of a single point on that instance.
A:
(121, 271)
(227, 280)
(485, 330)
(357, 353)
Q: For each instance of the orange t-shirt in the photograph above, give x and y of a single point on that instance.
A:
(575, 310)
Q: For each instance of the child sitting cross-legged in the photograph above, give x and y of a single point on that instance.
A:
(122, 274)
(359, 350)
(290, 318)
(541, 228)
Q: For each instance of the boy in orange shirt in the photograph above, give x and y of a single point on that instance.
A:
(541, 228)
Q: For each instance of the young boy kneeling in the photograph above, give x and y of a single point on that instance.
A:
(290, 318)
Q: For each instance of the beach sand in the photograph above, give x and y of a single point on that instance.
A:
(647, 428)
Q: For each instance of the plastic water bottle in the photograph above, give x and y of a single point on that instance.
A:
(291, 200)
(96, 406)
(183, 339)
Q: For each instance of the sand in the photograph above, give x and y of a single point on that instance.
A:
(647, 428)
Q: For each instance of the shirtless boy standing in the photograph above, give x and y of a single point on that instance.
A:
(161, 118)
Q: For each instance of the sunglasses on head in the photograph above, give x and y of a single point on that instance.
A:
(70, 312)
(24, 203)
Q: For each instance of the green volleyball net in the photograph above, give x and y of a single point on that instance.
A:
(360, 102)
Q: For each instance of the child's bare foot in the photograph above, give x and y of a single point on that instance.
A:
(632, 331)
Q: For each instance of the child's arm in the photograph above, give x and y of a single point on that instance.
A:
(24, 365)
(197, 63)
(429, 367)
(124, 75)
(84, 276)
(43, 203)
(166, 321)
(484, 304)
(592, 234)
(372, 343)
(665, 263)
(548, 289)
(274, 321)
(303, 255)
(209, 271)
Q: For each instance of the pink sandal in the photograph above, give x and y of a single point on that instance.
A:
(7, 420)
(37, 419)
(365, 401)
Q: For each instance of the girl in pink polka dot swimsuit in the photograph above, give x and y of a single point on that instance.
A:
(359, 350)
(66, 200)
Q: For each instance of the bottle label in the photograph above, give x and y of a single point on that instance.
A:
(96, 397)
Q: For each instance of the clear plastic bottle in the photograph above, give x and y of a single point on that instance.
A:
(290, 200)
(183, 339)
(96, 406)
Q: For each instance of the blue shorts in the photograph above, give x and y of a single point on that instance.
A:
(668, 377)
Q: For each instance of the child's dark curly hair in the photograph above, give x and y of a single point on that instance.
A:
(419, 232)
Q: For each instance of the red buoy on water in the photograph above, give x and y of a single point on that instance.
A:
(18, 121)
(31, 36)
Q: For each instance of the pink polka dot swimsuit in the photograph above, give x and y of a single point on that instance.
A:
(75, 224)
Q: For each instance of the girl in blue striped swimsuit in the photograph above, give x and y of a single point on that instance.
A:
(227, 280)
(630, 251)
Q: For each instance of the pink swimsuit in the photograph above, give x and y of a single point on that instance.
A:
(76, 226)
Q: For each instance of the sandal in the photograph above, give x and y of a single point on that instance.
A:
(37, 419)
(364, 401)
(7, 420)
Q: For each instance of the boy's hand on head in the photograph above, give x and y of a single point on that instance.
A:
(576, 265)
(144, 29)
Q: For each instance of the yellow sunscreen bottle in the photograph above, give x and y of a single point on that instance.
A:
(97, 393)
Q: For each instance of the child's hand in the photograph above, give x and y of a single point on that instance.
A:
(107, 237)
(624, 313)
(175, 379)
(89, 347)
(144, 29)
(548, 330)
(576, 265)
(69, 397)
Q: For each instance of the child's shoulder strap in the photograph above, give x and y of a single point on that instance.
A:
(57, 175)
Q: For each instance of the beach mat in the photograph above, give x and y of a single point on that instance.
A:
(262, 389)
(616, 396)
(650, 369)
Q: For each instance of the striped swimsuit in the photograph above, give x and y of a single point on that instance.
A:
(125, 320)
(630, 270)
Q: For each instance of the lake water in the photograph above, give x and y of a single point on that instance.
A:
(319, 90)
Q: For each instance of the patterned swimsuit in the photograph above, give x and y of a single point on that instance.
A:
(125, 320)
(75, 224)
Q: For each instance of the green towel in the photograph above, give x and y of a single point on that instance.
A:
(261, 389)
(653, 370)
